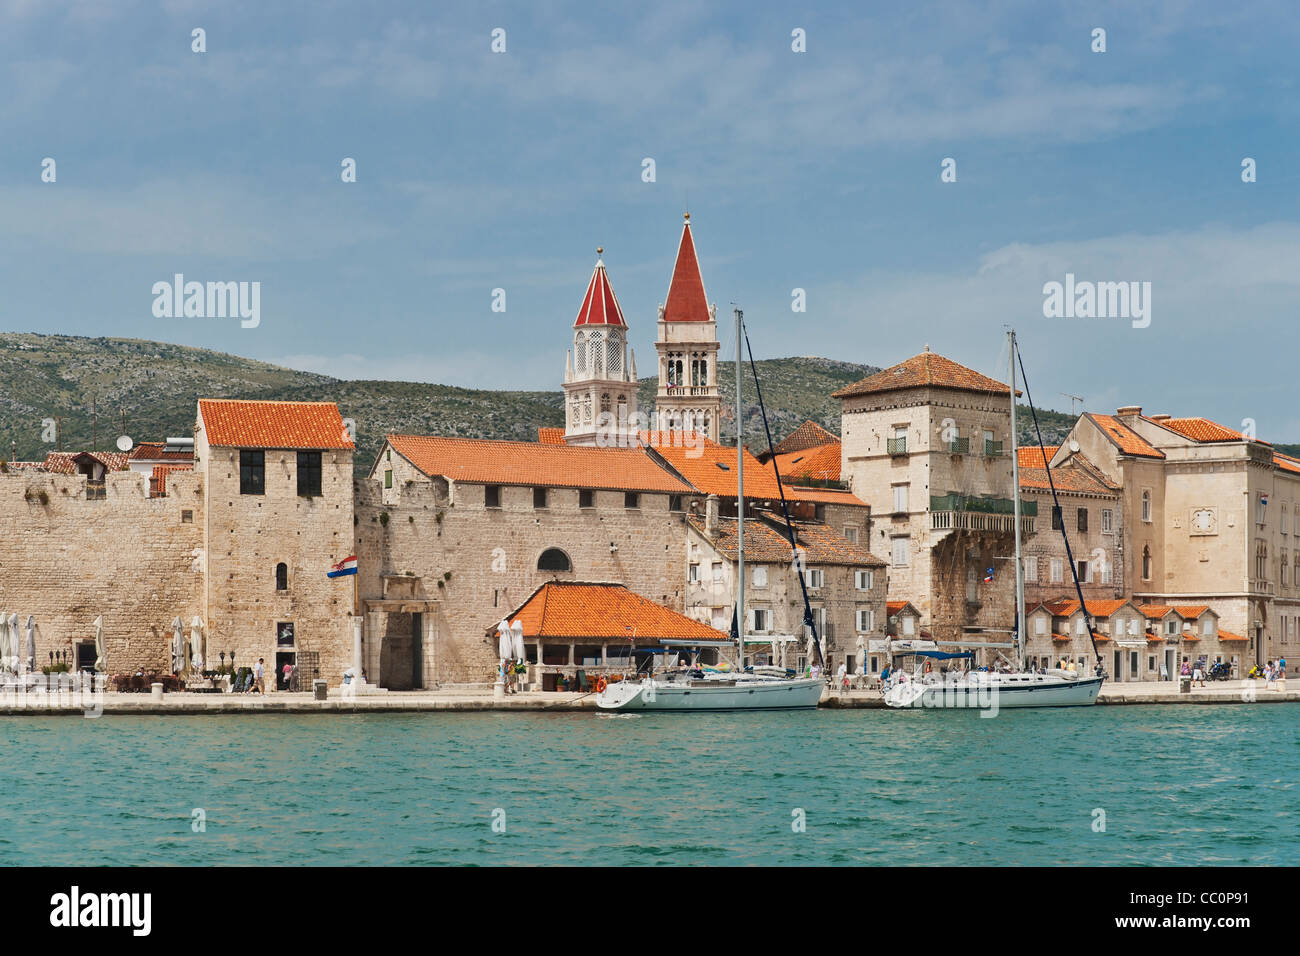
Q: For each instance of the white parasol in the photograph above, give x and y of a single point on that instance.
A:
(504, 643)
(31, 643)
(100, 663)
(517, 639)
(196, 642)
(178, 645)
(6, 647)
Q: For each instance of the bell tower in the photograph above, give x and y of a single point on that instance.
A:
(688, 398)
(600, 371)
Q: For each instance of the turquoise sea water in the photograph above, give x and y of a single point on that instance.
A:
(1178, 785)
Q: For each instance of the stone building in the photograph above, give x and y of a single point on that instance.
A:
(452, 533)
(688, 398)
(845, 585)
(925, 444)
(277, 506)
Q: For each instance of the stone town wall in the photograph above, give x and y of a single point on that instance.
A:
(135, 560)
(478, 563)
(248, 535)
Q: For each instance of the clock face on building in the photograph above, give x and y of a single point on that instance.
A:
(1203, 521)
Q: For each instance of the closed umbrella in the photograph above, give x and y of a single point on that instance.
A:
(178, 645)
(504, 642)
(100, 663)
(5, 647)
(517, 639)
(31, 643)
(196, 642)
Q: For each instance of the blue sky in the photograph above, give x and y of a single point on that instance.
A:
(815, 170)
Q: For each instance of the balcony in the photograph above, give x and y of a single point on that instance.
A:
(95, 490)
(896, 446)
(691, 391)
(959, 446)
(992, 449)
(979, 521)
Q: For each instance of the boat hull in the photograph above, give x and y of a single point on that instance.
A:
(701, 696)
(995, 694)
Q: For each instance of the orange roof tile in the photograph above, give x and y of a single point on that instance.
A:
(158, 484)
(1229, 636)
(807, 435)
(712, 469)
(550, 436)
(1200, 429)
(1095, 608)
(1126, 439)
(766, 541)
(158, 451)
(1191, 610)
(824, 496)
(1074, 476)
(571, 609)
(1287, 463)
(482, 461)
(820, 463)
(244, 424)
(65, 462)
(1153, 612)
(1035, 457)
(896, 607)
(927, 369)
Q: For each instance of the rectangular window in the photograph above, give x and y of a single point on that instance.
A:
(760, 577)
(814, 577)
(864, 580)
(1107, 520)
(866, 620)
(693, 573)
(252, 472)
(717, 570)
(900, 499)
(492, 496)
(1207, 627)
(1057, 522)
(1031, 570)
(1083, 519)
(1040, 626)
(1261, 508)
(899, 551)
(309, 480)
(539, 497)
(1105, 570)
(586, 498)
(898, 444)
(1058, 571)
(1146, 505)
(187, 516)
(909, 626)
(1171, 626)
(388, 477)
(851, 535)
(760, 619)
(1083, 573)
(675, 503)
(631, 499)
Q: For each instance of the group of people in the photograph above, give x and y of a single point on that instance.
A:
(1275, 671)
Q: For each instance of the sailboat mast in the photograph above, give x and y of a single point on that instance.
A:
(740, 505)
(1015, 497)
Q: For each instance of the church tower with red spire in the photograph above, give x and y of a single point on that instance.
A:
(688, 399)
(600, 371)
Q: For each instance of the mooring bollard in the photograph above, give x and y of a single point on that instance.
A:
(320, 689)
(156, 690)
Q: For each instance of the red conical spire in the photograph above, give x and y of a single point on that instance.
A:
(600, 305)
(686, 300)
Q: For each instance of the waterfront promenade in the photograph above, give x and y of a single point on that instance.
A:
(479, 697)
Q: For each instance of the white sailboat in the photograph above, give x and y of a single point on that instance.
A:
(695, 689)
(993, 690)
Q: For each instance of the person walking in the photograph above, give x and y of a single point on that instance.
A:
(842, 678)
(259, 681)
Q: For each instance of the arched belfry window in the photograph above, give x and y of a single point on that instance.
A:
(282, 577)
(580, 353)
(553, 559)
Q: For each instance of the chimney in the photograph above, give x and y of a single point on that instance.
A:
(1127, 411)
(711, 516)
(1160, 418)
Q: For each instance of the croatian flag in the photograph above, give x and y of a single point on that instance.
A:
(347, 566)
(988, 575)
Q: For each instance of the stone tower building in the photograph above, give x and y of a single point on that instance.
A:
(688, 399)
(600, 371)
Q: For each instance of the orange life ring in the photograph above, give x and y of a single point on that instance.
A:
(601, 684)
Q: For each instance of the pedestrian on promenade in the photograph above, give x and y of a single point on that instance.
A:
(1186, 671)
(842, 677)
(1269, 675)
(1197, 674)
(1281, 673)
(259, 677)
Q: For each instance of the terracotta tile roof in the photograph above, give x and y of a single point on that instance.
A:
(1060, 637)
(682, 439)
(482, 461)
(767, 542)
(157, 451)
(686, 299)
(1152, 638)
(1229, 636)
(550, 436)
(158, 483)
(824, 496)
(1200, 429)
(1126, 439)
(896, 607)
(1074, 476)
(1095, 608)
(1191, 611)
(1153, 612)
(565, 609)
(1287, 463)
(712, 469)
(600, 305)
(65, 462)
(244, 424)
(820, 463)
(807, 435)
(1035, 457)
(926, 369)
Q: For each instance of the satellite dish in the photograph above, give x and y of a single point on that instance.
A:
(1074, 445)
(124, 443)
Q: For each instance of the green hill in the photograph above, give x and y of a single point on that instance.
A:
(148, 390)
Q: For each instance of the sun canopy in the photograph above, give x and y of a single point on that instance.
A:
(942, 655)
